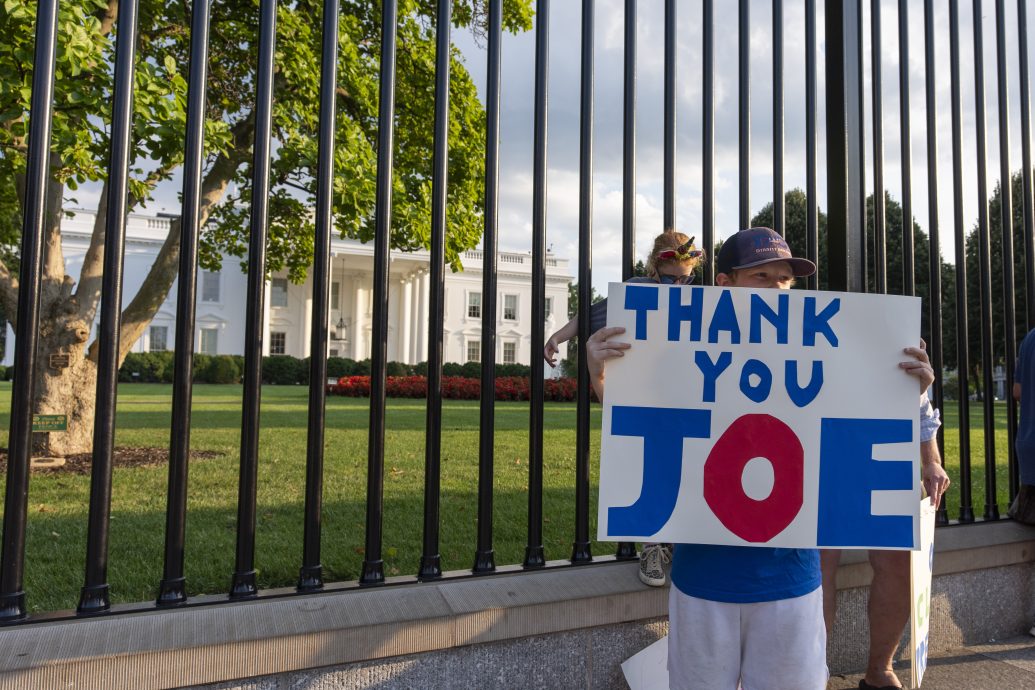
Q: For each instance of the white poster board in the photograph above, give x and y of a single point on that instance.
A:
(648, 668)
(760, 417)
(921, 565)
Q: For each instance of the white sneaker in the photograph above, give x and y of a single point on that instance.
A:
(1030, 632)
(652, 561)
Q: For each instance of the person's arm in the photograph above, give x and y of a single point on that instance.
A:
(933, 475)
(598, 350)
(563, 335)
(1016, 391)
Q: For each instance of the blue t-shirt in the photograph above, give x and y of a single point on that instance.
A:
(1025, 375)
(744, 574)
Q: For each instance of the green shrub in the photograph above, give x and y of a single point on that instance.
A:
(337, 367)
(284, 370)
(147, 367)
(221, 369)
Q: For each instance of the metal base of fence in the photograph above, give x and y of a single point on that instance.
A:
(373, 573)
(12, 607)
(172, 592)
(94, 599)
(626, 551)
(430, 568)
(484, 562)
(243, 585)
(534, 557)
(581, 552)
(310, 578)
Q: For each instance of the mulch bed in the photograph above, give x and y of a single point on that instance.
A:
(123, 457)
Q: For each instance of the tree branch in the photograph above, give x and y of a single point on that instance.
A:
(88, 293)
(108, 17)
(8, 294)
(164, 271)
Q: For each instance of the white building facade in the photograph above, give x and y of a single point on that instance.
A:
(221, 304)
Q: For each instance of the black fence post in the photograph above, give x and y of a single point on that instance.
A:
(19, 445)
(534, 555)
(846, 219)
(310, 575)
(580, 552)
(94, 596)
(172, 588)
(243, 581)
(959, 234)
(485, 559)
(431, 560)
(984, 263)
(373, 565)
(935, 268)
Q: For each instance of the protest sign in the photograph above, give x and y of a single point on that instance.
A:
(921, 565)
(760, 417)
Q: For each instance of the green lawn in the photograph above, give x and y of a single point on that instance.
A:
(58, 503)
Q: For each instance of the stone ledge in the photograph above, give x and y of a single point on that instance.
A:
(219, 642)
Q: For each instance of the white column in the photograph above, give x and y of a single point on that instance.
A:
(307, 323)
(358, 309)
(266, 319)
(405, 320)
(425, 294)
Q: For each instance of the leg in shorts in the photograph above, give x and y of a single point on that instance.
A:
(771, 645)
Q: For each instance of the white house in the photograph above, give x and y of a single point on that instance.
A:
(220, 320)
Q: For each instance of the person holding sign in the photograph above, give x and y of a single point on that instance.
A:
(672, 261)
(888, 606)
(739, 615)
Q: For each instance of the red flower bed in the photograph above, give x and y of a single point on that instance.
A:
(457, 388)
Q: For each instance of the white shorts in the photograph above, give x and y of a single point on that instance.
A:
(775, 645)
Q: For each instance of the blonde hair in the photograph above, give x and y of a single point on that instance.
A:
(669, 240)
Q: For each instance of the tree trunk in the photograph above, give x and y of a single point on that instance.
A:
(65, 390)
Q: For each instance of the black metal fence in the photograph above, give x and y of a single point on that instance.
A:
(847, 265)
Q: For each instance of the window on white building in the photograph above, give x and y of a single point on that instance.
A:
(335, 296)
(210, 286)
(510, 307)
(509, 353)
(209, 341)
(474, 305)
(474, 351)
(279, 292)
(549, 308)
(159, 338)
(278, 343)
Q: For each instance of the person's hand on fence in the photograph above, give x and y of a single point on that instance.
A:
(550, 351)
(919, 366)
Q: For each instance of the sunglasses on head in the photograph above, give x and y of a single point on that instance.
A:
(684, 252)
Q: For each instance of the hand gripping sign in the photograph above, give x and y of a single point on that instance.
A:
(760, 417)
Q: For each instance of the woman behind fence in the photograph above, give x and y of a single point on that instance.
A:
(672, 261)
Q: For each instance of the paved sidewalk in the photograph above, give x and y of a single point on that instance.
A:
(1004, 665)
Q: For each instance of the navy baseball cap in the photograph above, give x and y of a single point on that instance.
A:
(757, 246)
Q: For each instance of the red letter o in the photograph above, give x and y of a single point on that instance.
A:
(748, 437)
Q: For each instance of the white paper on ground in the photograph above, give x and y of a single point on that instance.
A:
(648, 668)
